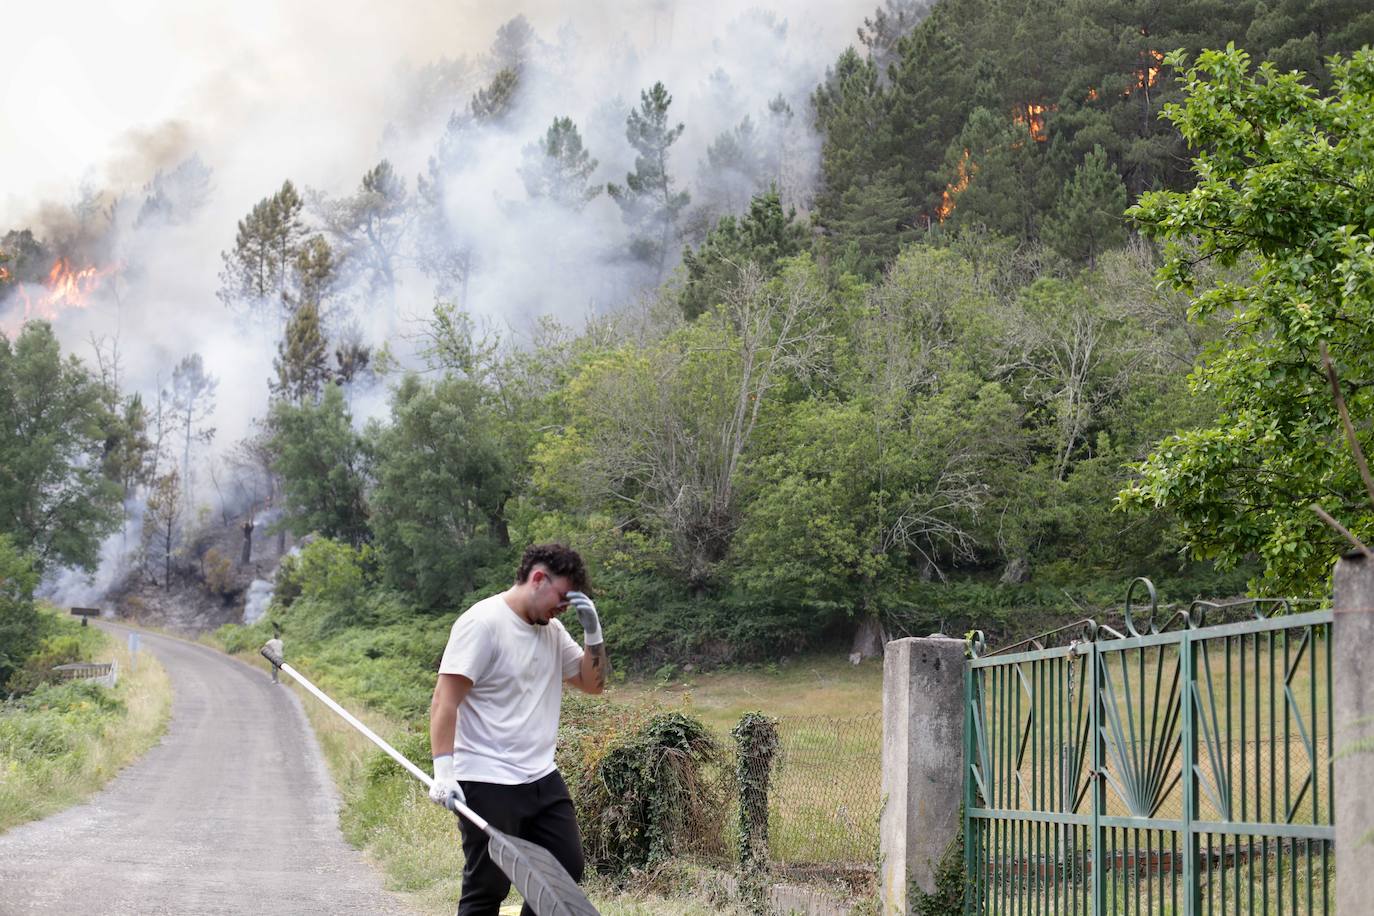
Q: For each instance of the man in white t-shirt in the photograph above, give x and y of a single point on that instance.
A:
(493, 720)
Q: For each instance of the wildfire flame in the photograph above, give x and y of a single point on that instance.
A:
(1092, 95)
(1152, 62)
(1033, 117)
(65, 288)
(966, 170)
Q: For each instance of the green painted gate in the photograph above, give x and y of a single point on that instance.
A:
(1176, 768)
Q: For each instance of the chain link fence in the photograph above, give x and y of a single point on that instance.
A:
(819, 778)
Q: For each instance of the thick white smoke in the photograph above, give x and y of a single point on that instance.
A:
(318, 92)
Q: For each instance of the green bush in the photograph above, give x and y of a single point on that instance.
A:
(57, 649)
(646, 785)
(50, 721)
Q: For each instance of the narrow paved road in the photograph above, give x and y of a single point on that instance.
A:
(233, 812)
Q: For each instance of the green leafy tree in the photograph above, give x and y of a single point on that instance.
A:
(881, 32)
(1280, 169)
(27, 259)
(55, 501)
(443, 478)
(21, 624)
(128, 451)
(322, 467)
(657, 437)
(558, 167)
(648, 202)
(863, 493)
(869, 226)
(1301, 34)
(1087, 218)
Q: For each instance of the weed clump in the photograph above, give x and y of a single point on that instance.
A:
(648, 785)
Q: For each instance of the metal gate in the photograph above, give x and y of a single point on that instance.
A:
(1175, 768)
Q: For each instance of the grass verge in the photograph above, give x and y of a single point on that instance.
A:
(62, 743)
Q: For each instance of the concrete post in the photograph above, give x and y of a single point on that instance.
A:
(1352, 703)
(923, 762)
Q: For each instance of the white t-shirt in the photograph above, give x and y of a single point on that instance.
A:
(508, 725)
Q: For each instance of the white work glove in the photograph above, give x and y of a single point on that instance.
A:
(445, 785)
(586, 615)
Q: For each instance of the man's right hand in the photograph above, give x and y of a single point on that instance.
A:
(445, 785)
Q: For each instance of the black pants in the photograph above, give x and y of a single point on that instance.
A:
(539, 811)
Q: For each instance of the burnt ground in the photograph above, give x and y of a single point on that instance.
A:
(208, 583)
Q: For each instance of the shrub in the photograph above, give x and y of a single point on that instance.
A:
(288, 584)
(219, 573)
(37, 670)
(647, 785)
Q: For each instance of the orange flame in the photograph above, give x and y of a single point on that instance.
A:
(65, 288)
(1152, 62)
(1032, 116)
(1092, 95)
(966, 170)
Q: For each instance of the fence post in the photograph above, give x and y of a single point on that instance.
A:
(923, 763)
(1352, 702)
(756, 741)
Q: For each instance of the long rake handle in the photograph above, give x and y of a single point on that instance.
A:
(456, 806)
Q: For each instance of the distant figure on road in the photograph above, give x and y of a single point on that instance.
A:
(275, 645)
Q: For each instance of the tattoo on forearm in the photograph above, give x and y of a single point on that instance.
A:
(600, 664)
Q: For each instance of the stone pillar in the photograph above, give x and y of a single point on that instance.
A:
(923, 763)
(1352, 705)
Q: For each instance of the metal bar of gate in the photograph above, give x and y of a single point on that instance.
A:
(1086, 778)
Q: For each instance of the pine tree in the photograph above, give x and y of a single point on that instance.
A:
(851, 113)
(764, 236)
(445, 256)
(734, 169)
(891, 21)
(258, 269)
(302, 361)
(192, 399)
(369, 228)
(175, 197)
(162, 521)
(1087, 219)
(872, 221)
(558, 167)
(647, 200)
(315, 270)
(992, 177)
(511, 49)
(492, 104)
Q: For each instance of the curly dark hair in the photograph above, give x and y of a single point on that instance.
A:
(558, 559)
